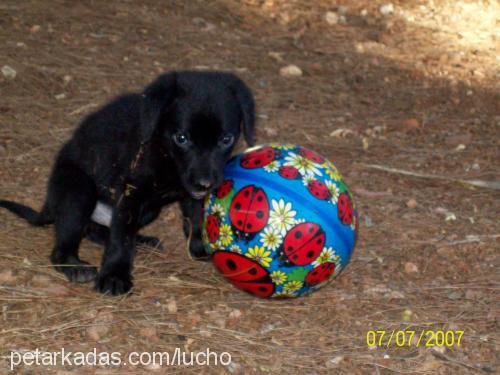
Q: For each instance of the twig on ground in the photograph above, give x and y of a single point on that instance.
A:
(495, 185)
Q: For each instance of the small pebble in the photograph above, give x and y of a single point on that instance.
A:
(262, 84)
(335, 361)
(332, 18)
(367, 221)
(235, 314)
(411, 124)
(446, 251)
(233, 367)
(395, 295)
(8, 72)
(342, 10)
(407, 314)
(278, 56)
(455, 295)
(365, 142)
(153, 366)
(450, 216)
(35, 28)
(439, 349)
(412, 203)
(411, 267)
(172, 306)
(95, 332)
(271, 132)
(268, 327)
(387, 9)
(291, 71)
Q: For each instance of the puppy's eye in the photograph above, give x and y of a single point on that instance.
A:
(227, 140)
(181, 139)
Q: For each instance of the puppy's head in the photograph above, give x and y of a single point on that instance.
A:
(197, 117)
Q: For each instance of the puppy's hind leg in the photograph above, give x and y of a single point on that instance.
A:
(73, 197)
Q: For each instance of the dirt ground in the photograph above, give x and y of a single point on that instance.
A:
(415, 90)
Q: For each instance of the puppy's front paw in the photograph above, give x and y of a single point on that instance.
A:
(197, 250)
(81, 273)
(76, 270)
(114, 283)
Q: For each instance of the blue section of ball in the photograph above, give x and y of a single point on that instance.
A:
(282, 223)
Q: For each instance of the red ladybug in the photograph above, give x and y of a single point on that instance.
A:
(259, 289)
(244, 273)
(311, 155)
(224, 189)
(344, 209)
(212, 227)
(258, 158)
(302, 244)
(319, 190)
(287, 171)
(249, 212)
(320, 273)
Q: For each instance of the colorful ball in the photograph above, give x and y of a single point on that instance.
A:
(282, 223)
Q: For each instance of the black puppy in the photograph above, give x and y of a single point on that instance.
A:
(134, 156)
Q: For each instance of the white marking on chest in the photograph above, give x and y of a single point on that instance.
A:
(102, 214)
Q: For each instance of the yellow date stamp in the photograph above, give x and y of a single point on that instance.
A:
(411, 338)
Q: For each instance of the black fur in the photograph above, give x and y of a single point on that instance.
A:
(137, 154)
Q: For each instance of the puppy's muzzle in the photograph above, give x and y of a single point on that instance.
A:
(202, 187)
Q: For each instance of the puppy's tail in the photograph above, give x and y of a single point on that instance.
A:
(29, 214)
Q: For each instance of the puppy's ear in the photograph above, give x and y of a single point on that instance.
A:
(155, 99)
(247, 106)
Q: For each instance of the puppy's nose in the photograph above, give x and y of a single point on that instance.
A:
(204, 183)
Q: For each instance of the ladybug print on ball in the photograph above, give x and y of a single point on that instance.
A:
(282, 223)
(345, 209)
(246, 274)
(249, 211)
(258, 158)
(318, 189)
(302, 244)
(289, 172)
(311, 155)
(212, 227)
(320, 274)
(224, 189)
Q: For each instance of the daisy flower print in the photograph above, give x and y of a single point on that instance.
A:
(282, 216)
